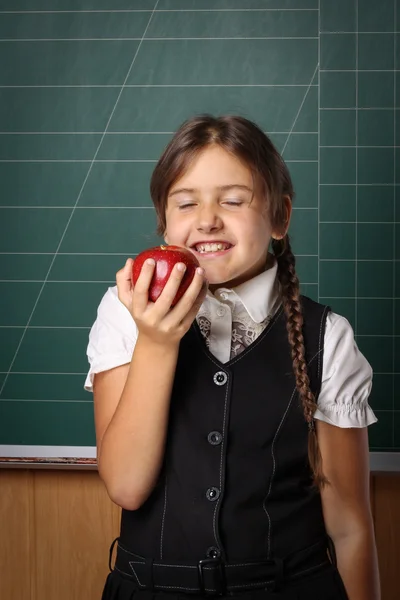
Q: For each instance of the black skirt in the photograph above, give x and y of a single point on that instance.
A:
(324, 585)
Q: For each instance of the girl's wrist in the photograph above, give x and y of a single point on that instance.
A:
(158, 346)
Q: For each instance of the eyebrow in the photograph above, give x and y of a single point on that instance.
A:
(221, 188)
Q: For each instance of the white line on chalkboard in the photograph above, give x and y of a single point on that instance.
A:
(358, 259)
(319, 147)
(165, 85)
(374, 298)
(356, 177)
(360, 108)
(351, 147)
(59, 401)
(131, 132)
(360, 32)
(358, 222)
(156, 39)
(107, 281)
(41, 373)
(394, 283)
(30, 206)
(360, 184)
(161, 10)
(299, 110)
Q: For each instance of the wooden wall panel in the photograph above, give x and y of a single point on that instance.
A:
(75, 522)
(386, 510)
(17, 557)
(56, 528)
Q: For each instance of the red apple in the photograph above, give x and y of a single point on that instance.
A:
(166, 257)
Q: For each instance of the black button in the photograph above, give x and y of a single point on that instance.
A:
(213, 552)
(212, 494)
(214, 438)
(220, 378)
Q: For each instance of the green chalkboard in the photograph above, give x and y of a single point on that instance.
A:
(89, 96)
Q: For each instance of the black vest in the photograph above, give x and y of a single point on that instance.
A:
(236, 480)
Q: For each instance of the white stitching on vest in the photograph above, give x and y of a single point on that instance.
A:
(175, 587)
(180, 566)
(250, 585)
(209, 569)
(273, 458)
(253, 564)
(271, 581)
(176, 566)
(309, 569)
(163, 517)
(172, 587)
(134, 572)
(221, 462)
(128, 552)
(273, 471)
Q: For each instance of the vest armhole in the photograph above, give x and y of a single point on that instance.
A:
(315, 315)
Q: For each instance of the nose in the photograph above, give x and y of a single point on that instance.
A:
(209, 220)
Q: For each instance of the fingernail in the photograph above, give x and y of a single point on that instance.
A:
(150, 261)
(200, 271)
(181, 267)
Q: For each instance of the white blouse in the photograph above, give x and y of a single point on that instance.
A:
(230, 320)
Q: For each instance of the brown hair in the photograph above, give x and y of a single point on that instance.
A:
(246, 141)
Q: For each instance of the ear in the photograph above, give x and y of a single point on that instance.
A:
(280, 234)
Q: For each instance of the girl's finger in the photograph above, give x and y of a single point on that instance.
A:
(141, 288)
(124, 279)
(163, 303)
(126, 271)
(194, 294)
(128, 268)
(191, 315)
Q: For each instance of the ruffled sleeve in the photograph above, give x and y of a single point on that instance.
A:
(346, 378)
(112, 337)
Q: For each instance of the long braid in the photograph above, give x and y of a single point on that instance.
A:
(290, 291)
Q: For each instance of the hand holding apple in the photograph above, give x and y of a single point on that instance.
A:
(165, 258)
(158, 322)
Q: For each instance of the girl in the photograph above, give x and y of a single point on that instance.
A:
(232, 428)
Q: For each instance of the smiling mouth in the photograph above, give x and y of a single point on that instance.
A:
(204, 248)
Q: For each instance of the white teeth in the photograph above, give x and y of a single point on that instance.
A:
(211, 247)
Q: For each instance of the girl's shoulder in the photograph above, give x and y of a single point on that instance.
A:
(112, 337)
(112, 312)
(335, 324)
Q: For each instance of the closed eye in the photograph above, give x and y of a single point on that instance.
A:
(234, 202)
(187, 205)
